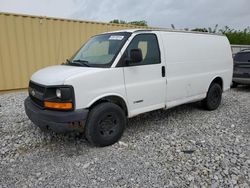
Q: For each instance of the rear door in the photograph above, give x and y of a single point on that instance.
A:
(145, 82)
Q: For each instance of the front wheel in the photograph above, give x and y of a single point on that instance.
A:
(105, 124)
(213, 99)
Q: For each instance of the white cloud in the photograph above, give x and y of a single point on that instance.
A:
(54, 8)
(183, 14)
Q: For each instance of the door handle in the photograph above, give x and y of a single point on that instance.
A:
(163, 71)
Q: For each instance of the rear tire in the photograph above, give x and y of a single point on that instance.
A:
(213, 99)
(105, 124)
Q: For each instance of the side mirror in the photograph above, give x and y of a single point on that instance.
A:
(135, 55)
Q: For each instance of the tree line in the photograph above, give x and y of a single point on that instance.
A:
(241, 37)
(138, 23)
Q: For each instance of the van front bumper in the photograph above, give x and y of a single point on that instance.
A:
(57, 121)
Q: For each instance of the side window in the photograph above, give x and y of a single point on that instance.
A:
(149, 46)
(242, 57)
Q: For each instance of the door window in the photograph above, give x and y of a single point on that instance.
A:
(149, 46)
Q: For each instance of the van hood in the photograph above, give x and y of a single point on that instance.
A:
(56, 75)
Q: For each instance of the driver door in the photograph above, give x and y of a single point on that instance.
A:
(145, 81)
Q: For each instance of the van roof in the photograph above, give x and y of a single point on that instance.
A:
(163, 30)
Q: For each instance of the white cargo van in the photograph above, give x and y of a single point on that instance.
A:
(118, 75)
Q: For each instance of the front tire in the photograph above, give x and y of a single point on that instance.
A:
(105, 124)
(213, 99)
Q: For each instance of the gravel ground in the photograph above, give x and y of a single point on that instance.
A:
(182, 147)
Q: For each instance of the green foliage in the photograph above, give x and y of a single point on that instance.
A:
(115, 21)
(138, 23)
(237, 36)
(241, 37)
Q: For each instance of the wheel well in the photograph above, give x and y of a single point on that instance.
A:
(113, 99)
(219, 81)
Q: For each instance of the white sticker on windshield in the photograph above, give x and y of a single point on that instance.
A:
(116, 37)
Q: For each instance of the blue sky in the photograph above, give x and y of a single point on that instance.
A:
(159, 13)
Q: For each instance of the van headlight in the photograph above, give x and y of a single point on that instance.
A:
(64, 93)
(58, 93)
(59, 97)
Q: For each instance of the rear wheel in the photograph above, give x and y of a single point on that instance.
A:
(105, 124)
(213, 99)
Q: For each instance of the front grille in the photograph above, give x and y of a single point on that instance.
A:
(36, 93)
(37, 87)
(37, 101)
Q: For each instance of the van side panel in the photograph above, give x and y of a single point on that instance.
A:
(192, 62)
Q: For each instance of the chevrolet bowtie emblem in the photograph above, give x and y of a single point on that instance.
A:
(33, 93)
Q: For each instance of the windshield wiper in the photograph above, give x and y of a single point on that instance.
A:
(81, 62)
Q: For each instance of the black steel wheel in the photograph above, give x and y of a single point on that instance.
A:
(105, 124)
(213, 99)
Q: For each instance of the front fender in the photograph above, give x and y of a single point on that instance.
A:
(108, 95)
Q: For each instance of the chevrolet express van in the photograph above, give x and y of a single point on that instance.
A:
(118, 75)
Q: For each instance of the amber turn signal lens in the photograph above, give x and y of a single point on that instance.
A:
(57, 105)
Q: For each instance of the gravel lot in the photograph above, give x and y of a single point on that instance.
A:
(181, 147)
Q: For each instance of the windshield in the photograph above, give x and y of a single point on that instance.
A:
(99, 51)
